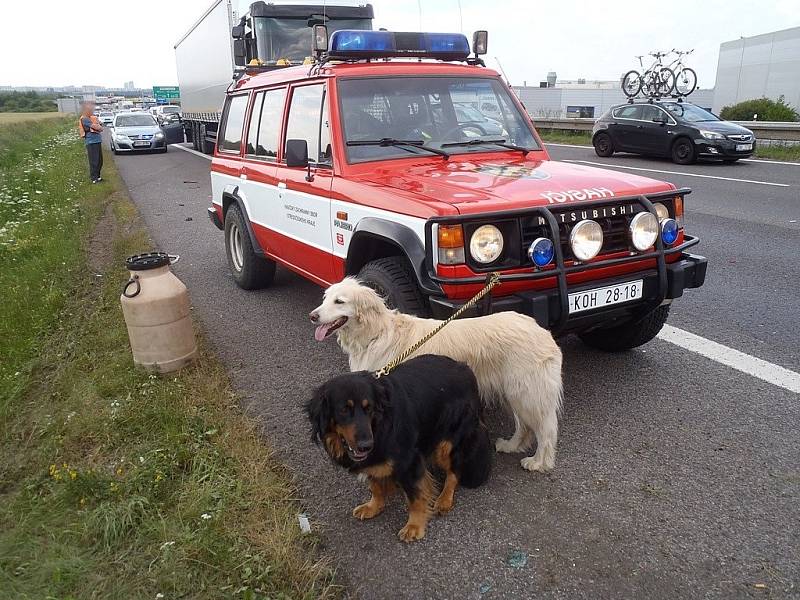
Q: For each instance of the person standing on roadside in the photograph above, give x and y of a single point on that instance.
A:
(89, 128)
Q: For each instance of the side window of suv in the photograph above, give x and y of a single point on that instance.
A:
(265, 124)
(231, 139)
(308, 120)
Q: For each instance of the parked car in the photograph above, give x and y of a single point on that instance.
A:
(169, 112)
(137, 131)
(481, 124)
(106, 118)
(681, 131)
(371, 172)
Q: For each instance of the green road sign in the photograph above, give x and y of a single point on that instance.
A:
(166, 92)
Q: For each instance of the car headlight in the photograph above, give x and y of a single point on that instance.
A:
(586, 239)
(661, 210)
(711, 135)
(643, 231)
(486, 244)
(159, 135)
(121, 137)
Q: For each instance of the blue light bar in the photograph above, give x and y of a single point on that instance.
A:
(361, 44)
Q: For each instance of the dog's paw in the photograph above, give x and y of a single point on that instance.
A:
(367, 510)
(442, 506)
(536, 463)
(412, 532)
(506, 446)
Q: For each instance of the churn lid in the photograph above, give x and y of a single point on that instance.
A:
(147, 261)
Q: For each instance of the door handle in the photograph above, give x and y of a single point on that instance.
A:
(281, 185)
(243, 176)
(640, 127)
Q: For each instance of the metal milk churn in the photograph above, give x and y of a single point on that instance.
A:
(155, 304)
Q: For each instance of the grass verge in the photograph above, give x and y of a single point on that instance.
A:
(584, 138)
(14, 117)
(116, 483)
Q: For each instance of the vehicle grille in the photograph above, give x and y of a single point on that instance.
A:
(144, 136)
(615, 227)
(741, 137)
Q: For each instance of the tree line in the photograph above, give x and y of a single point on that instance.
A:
(27, 102)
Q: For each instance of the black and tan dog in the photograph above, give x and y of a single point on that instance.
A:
(390, 429)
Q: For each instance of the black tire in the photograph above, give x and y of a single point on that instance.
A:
(195, 136)
(683, 151)
(631, 83)
(603, 146)
(164, 150)
(250, 271)
(629, 335)
(394, 280)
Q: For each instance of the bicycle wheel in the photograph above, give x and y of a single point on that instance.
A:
(685, 81)
(631, 83)
(665, 82)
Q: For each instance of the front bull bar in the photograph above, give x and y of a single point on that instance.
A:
(560, 270)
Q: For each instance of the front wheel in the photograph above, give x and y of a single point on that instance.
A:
(683, 152)
(685, 81)
(394, 280)
(629, 335)
(250, 271)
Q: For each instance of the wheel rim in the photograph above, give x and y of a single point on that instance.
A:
(235, 244)
(682, 150)
(602, 144)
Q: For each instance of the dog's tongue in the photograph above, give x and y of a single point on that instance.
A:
(321, 331)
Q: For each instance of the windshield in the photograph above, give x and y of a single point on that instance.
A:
(435, 111)
(140, 120)
(290, 39)
(689, 112)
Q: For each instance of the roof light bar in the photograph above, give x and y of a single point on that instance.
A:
(353, 43)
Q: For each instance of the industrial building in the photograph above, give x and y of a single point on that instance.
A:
(766, 65)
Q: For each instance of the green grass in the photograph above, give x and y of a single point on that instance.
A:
(584, 138)
(15, 117)
(116, 484)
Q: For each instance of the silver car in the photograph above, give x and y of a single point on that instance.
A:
(137, 131)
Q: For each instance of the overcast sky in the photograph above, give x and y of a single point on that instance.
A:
(94, 42)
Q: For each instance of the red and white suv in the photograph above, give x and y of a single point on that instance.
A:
(421, 177)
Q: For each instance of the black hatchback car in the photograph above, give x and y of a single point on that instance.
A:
(681, 131)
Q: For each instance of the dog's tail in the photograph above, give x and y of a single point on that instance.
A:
(478, 455)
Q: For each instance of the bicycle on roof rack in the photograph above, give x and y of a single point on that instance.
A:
(685, 77)
(656, 81)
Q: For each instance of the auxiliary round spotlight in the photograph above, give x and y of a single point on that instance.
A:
(541, 252)
(661, 210)
(586, 239)
(643, 230)
(669, 231)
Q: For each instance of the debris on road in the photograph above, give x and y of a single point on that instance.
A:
(517, 559)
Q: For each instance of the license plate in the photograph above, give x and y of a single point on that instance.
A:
(743, 147)
(605, 296)
(142, 143)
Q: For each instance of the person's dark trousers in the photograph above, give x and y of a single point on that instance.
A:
(95, 152)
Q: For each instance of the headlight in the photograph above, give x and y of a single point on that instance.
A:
(711, 135)
(158, 135)
(586, 239)
(486, 244)
(541, 252)
(669, 231)
(644, 231)
(661, 210)
(121, 137)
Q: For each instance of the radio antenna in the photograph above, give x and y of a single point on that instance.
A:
(419, 11)
(503, 71)
(460, 17)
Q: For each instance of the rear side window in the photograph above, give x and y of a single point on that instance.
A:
(308, 120)
(231, 140)
(252, 128)
(629, 112)
(269, 128)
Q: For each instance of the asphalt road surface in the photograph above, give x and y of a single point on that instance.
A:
(677, 476)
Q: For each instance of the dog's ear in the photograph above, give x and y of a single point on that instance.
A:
(318, 411)
(381, 398)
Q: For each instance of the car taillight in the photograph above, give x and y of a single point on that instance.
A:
(450, 240)
(678, 204)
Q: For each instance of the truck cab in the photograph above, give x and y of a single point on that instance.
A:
(368, 164)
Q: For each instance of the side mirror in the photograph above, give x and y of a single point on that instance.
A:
(239, 52)
(296, 153)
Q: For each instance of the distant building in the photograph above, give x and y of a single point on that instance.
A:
(766, 65)
(128, 85)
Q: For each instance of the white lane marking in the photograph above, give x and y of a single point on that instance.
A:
(609, 166)
(750, 365)
(192, 151)
(756, 160)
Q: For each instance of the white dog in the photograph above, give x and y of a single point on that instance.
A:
(512, 356)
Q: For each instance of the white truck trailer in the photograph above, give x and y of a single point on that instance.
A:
(267, 36)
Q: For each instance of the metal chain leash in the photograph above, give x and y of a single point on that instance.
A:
(492, 280)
